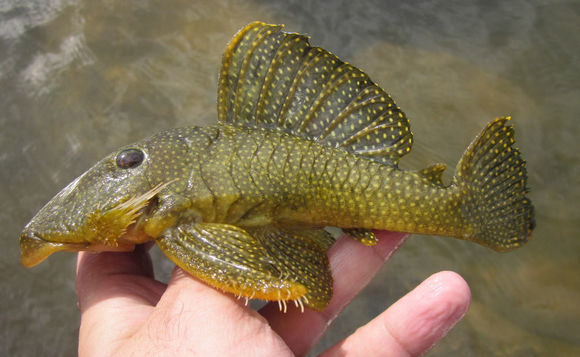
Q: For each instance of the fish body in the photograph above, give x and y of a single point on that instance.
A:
(254, 177)
(304, 141)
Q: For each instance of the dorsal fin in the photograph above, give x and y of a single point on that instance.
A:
(274, 79)
(433, 173)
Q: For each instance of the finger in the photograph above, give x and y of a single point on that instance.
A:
(185, 289)
(353, 265)
(190, 311)
(110, 263)
(413, 324)
(101, 274)
(116, 293)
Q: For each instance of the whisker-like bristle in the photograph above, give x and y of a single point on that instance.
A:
(301, 305)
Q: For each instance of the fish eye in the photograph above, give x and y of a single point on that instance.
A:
(130, 158)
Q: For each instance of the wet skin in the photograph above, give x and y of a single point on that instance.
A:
(304, 141)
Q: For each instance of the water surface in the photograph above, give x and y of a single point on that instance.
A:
(81, 78)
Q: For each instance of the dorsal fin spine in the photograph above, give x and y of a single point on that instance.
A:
(299, 74)
(255, 43)
(350, 108)
(369, 128)
(327, 90)
(228, 54)
(286, 42)
(291, 88)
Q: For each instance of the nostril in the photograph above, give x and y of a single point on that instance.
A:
(30, 241)
(30, 236)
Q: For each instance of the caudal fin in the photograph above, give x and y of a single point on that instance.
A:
(493, 176)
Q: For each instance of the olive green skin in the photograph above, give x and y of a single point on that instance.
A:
(255, 177)
(251, 177)
(271, 184)
(304, 141)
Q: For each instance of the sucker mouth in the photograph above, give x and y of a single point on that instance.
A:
(34, 249)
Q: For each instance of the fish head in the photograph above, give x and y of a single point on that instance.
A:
(98, 211)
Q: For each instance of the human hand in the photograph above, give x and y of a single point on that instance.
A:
(125, 311)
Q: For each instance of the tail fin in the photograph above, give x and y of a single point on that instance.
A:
(493, 176)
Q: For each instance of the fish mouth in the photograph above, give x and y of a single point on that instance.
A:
(117, 229)
(34, 249)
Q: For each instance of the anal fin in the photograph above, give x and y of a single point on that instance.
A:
(365, 236)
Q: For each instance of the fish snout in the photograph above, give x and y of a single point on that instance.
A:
(34, 249)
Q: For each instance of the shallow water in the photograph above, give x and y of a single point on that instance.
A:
(81, 78)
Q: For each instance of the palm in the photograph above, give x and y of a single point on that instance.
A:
(125, 310)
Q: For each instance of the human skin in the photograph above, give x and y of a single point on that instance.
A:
(125, 311)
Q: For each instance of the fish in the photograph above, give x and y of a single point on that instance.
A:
(303, 141)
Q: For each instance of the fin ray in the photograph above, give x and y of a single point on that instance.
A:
(492, 178)
(230, 259)
(274, 79)
(300, 256)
